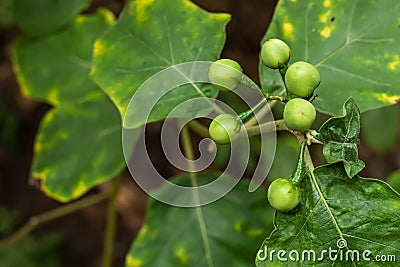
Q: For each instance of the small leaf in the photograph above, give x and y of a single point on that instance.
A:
(151, 36)
(339, 214)
(39, 17)
(353, 44)
(224, 233)
(340, 137)
(79, 141)
(380, 128)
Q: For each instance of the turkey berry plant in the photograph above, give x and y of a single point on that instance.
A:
(90, 67)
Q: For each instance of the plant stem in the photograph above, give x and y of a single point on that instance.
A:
(111, 226)
(48, 216)
(198, 128)
(282, 71)
(267, 127)
(189, 154)
(245, 115)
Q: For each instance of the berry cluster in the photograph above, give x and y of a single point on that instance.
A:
(300, 80)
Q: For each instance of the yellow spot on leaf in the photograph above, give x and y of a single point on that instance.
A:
(222, 16)
(53, 96)
(393, 65)
(238, 226)
(40, 175)
(98, 48)
(133, 262)
(293, 1)
(255, 233)
(287, 30)
(180, 254)
(108, 15)
(389, 99)
(141, 6)
(80, 19)
(323, 17)
(326, 32)
(80, 189)
(327, 3)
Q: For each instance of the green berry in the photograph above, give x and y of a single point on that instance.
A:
(225, 74)
(224, 128)
(275, 53)
(302, 78)
(283, 195)
(299, 114)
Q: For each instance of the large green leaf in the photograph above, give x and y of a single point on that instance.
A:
(340, 137)
(38, 17)
(150, 36)
(79, 141)
(335, 211)
(354, 45)
(380, 128)
(224, 233)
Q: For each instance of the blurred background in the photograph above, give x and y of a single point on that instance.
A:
(76, 240)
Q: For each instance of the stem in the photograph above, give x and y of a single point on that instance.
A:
(189, 154)
(198, 128)
(48, 216)
(245, 115)
(263, 111)
(282, 71)
(267, 127)
(111, 226)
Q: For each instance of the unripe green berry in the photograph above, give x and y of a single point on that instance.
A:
(299, 114)
(302, 78)
(224, 128)
(225, 74)
(283, 195)
(275, 53)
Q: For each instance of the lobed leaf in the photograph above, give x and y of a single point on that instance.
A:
(339, 215)
(340, 137)
(151, 36)
(353, 44)
(79, 141)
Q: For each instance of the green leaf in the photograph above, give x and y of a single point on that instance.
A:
(79, 141)
(340, 137)
(380, 128)
(38, 17)
(148, 37)
(353, 44)
(334, 208)
(224, 233)
(394, 180)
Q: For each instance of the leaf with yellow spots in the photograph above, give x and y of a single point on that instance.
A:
(78, 144)
(151, 36)
(337, 214)
(337, 37)
(223, 233)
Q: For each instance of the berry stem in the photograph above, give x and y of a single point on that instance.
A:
(282, 71)
(244, 116)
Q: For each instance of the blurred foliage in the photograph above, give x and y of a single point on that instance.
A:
(394, 180)
(380, 128)
(29, 251)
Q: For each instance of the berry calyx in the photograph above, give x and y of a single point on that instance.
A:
(224, 128)
(299, 114)
(275, 53)
(302, 78)
(225, 74)
(283, 195)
